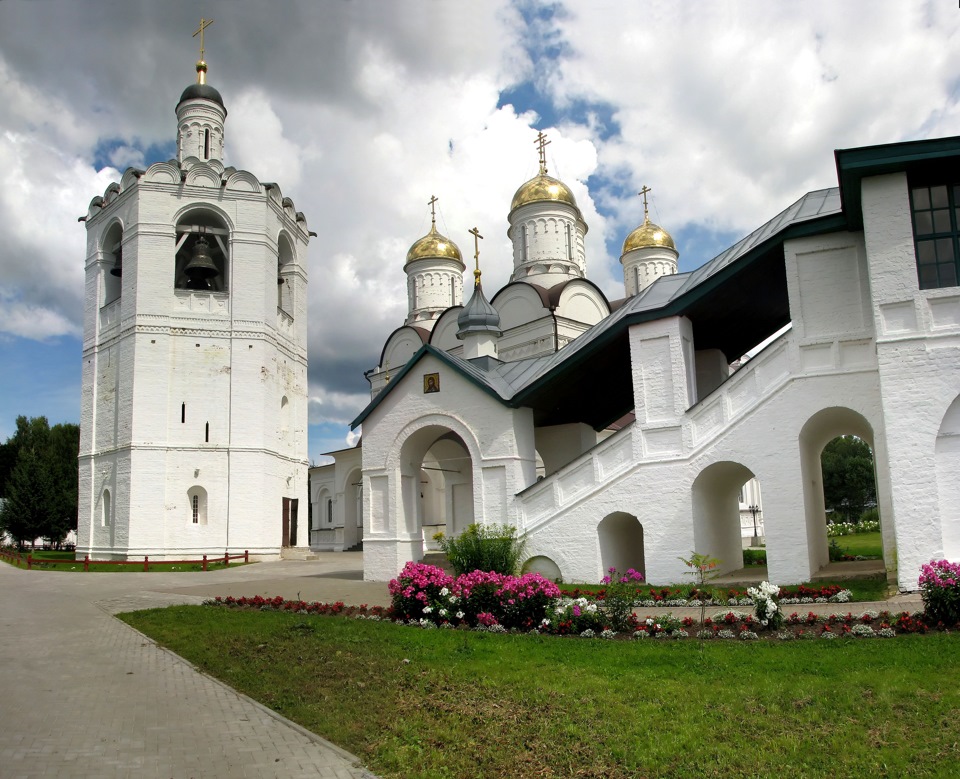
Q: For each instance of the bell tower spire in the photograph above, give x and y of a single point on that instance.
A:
(200, 113)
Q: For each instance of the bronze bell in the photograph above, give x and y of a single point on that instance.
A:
(201, 266)
(117, 269)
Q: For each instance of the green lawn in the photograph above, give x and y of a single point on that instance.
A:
(429, 704)
(866, 544)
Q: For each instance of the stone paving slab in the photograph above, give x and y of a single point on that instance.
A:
(84, 695)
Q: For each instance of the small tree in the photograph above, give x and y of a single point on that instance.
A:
(702, 569)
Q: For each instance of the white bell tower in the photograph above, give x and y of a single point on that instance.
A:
(194, 390)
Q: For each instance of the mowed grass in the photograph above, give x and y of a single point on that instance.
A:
(428, 704)
(866, 544)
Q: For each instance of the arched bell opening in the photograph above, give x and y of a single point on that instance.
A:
(112, 252)
(285, 268)
(202, 252)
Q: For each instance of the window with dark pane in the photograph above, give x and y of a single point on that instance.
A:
(936, 216)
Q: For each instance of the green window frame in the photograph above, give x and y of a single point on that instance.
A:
(936, 216)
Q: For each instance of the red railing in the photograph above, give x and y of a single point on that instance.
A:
(19, 559)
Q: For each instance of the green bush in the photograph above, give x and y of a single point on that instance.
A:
(872, 516)
(754, 557)
(495, 548)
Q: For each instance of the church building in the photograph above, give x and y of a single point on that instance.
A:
(618, 434)
(194, 391)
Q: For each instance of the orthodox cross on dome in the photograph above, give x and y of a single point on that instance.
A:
(475, 232)
(542, 144)
(643, 194)
(201, 65)
(433, 211)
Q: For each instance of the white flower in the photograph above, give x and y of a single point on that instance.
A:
(442, 612)
(545, 622)
(649, 621)
(453, 599)
(427, 609)
(444, 592)
(459, 615)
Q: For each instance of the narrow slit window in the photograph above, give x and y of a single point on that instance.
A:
(195, 506)
(206, 433)
(206, 144)
(183, 413)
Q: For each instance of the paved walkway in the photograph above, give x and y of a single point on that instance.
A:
(83, 695)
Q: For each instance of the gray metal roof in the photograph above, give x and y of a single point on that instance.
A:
(507, 380)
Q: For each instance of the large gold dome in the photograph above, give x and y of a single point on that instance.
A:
(648, 235)
(433, 246)
(543, 188)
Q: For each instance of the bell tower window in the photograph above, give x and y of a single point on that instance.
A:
(113, 263)
(206, 144)
(202, 252)
(285, 265)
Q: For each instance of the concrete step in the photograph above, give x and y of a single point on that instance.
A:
(298, 553)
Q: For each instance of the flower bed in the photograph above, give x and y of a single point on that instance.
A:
(427, 597)
(580, 618)
(678, 597)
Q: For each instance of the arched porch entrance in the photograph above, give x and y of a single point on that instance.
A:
(436, 474)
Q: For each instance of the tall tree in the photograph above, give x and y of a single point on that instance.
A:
(38, 480)
(848, 477)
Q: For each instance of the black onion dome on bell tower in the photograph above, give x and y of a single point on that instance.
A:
(202, 92)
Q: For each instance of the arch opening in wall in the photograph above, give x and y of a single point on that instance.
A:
(443, 501)
(112, 250)
(197, 505)
(717, 518)
(620, 536)
(947, 469)
(544, 566)
(353, 509)
(202, 252)
(822, 429)
(285, 278)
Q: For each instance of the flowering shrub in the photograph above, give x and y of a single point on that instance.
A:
(619, 597)
(417, 588)
(574, 616)
(477, 598)
(940, 590)
(766, 604)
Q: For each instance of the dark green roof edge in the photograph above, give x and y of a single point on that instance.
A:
(441, 355)
(854, 165)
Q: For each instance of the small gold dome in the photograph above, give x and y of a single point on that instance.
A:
(648, 235)
(543, 188)
(434, 246)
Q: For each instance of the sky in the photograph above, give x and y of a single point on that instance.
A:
(363, 109)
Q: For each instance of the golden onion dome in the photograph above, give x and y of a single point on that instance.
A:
(646, 236)
(543, 188)
(434, 246)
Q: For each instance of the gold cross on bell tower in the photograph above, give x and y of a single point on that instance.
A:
(643, 194)
(433, 211)
(201, 65)
(475, 232)
(542, 144)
